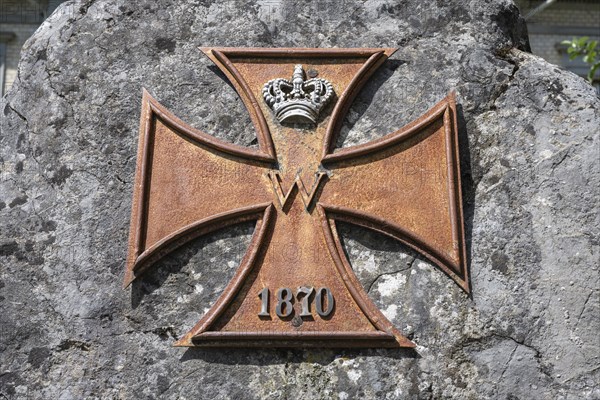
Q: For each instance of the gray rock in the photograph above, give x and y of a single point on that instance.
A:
(531, 179)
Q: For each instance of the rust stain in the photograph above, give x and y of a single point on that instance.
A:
(295, 186)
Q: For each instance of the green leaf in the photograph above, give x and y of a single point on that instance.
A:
(586, 49)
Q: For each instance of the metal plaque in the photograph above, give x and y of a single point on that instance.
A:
(295, 286)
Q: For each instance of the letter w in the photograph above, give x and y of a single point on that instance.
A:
(307, 196)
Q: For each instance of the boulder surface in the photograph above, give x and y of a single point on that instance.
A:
(529, 142)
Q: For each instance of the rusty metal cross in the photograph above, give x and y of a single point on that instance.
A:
(296, 186)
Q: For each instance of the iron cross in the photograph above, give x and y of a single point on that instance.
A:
(295, 286)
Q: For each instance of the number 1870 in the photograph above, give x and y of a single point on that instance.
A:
(323, 302)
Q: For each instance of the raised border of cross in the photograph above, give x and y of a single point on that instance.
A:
(141, 256)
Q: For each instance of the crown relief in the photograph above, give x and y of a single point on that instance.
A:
(298, 101)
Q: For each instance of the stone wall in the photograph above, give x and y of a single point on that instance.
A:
(561, 21)
(529, 145)
(22, 32)
(20, 19)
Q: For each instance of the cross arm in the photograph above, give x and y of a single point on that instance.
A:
(188, 183)
(407, 186)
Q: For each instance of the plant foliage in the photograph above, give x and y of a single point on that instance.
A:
(587, 49)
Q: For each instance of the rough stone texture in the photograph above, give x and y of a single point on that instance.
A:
(531, 179)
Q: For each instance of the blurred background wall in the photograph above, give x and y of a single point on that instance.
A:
(549, 23)
(18, 21)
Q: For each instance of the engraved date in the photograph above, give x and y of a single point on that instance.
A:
(285, 299)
